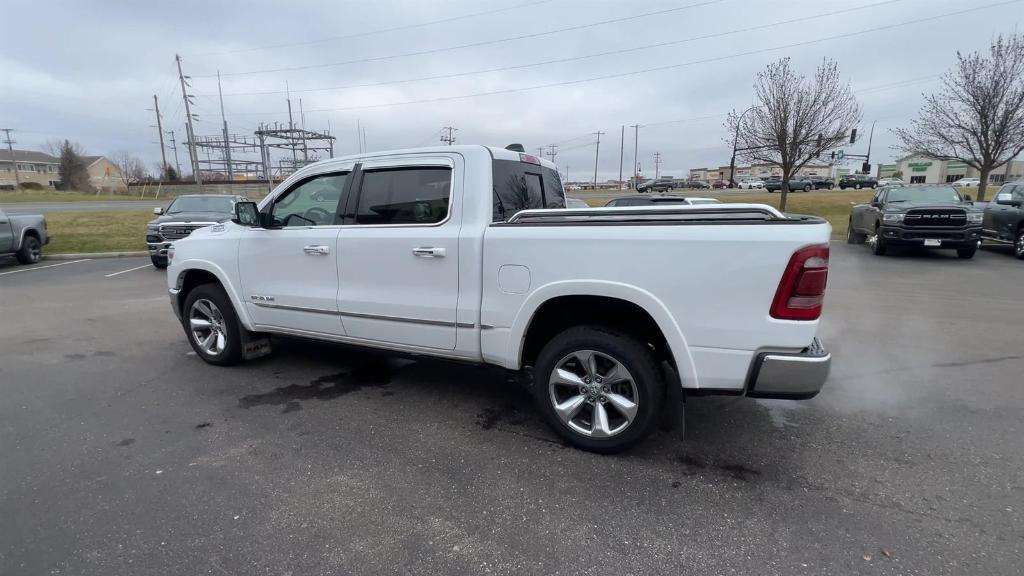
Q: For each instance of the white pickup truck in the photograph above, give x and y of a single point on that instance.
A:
(462, 252)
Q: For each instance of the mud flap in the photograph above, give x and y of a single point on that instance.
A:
(254, 345)
(674, 414)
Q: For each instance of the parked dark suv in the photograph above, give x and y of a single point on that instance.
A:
(659, 185)
(929, 215)
(1004, 218)
(857, 181)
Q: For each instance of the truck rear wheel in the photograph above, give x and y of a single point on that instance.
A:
(211, 325)
(1018, 247)
(852, 236)
(600, 389)
(31, 251)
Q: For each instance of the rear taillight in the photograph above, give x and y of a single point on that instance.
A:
(529, 159)
(802, 288)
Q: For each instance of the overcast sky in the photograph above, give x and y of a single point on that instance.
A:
(87, 71)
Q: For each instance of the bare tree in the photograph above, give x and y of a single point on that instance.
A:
(132, 169)
(978, 116)
(795, 120)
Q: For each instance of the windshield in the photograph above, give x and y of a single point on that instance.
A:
(924, 194)
(202, 204)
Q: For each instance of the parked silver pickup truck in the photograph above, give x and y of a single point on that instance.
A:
(23, 235)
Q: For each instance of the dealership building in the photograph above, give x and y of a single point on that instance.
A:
(916, 169)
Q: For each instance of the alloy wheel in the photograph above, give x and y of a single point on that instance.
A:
(593, 394)
(206, 323)
(1020, 245)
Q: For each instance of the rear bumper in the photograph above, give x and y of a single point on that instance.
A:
(950, 237)
(792, 375)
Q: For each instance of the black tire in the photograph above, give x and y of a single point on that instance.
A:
(158, 262)
(31, 251)
(966, 253)
(880, 247)
(854, 237)
(856, 186)
(230, 326)
(1018, 247)
(637, 360)
(808, 188)
(831, 186)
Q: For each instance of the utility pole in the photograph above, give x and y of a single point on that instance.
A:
(622, 148)
(14, 162)
(227, 143)
(448, 135)
(302, 123)
(174, 147)
(291, 124)
(597, 154)
(657, 165)
(636, 159)
(359, 136)
(540, 151)
(160, 131)
(188, 127)
(552, 151)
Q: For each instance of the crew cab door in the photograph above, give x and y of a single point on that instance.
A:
(399, 252)
(1001, 220)
(6, 233)
(289, 272)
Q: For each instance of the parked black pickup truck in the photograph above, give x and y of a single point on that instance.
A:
(934, 216)
(185, 214)
(1003, 221)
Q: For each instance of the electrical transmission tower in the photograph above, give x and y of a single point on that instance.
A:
(14, 163)
(552, 151)
(448, 135)
(657, 164)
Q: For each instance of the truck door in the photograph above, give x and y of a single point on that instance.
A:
(6, 233)
(289, 273)
(1004, 217)
(399, 252)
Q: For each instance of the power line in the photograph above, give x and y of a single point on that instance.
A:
(378, 31)
(666, 67)
(572, 58)
(473, 44)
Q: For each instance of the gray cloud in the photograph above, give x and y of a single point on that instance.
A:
(87, 71)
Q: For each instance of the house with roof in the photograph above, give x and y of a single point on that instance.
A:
(44, 169)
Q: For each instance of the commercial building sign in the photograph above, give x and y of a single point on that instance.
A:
(919, 166)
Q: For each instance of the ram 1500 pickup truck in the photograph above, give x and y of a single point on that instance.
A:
(454, 252)
(23, 235)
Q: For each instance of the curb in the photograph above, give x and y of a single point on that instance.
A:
(94, 255)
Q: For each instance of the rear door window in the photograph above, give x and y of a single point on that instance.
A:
(414, 195)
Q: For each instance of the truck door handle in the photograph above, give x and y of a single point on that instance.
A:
(429, 252)
(316, 250)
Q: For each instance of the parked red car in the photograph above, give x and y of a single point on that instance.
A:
(719, 184)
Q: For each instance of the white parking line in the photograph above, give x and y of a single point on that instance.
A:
(47, 266)
(128, 270)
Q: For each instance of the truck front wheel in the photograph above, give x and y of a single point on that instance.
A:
(212, 326)
(600, 389)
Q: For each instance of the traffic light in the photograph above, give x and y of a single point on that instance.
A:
(833, 154)
(865, 168)
(819, 141)
(853, 136)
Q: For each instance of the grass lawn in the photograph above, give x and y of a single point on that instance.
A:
(74, 232)
(8, 196)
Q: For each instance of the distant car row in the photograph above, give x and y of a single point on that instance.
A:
(938, 216)
(645, 200)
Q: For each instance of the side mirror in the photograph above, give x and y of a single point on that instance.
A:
(246, 214)
(158, 210)
(1006, 199)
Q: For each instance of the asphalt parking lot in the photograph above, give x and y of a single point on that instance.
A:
(123, 453)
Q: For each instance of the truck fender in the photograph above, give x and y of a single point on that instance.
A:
(229, 288)
(678, 346)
